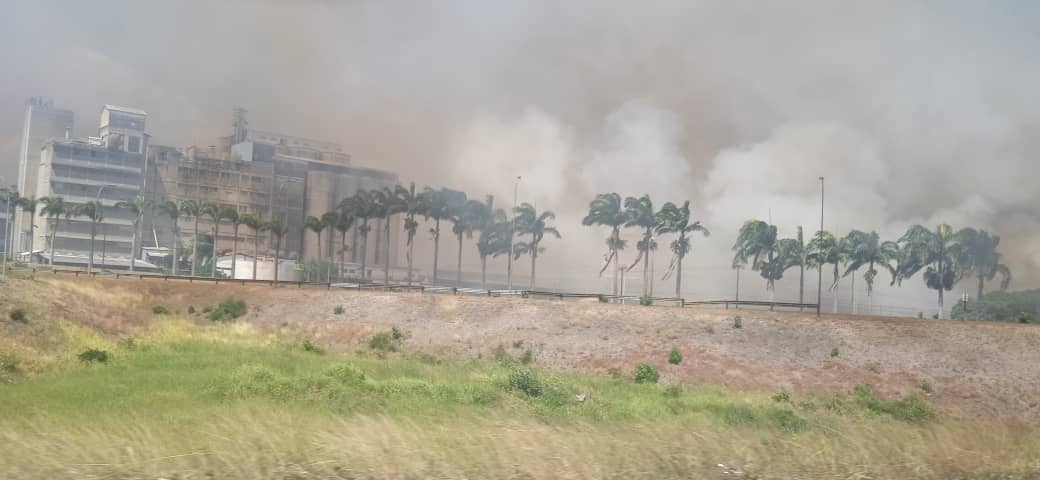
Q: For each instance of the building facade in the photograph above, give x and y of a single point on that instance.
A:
(42, 122)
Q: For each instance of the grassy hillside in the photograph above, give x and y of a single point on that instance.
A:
(190, 398)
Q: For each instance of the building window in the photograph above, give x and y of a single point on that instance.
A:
(134, 144)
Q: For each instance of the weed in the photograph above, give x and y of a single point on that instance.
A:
(787, 420)
(673, 391)
(935, 316)
(920, 314)
(228, 310)
(338, 310)
(1024, 318)
(518, 344)
(308, 346)
(383, 342)
(428, 359)
(191, 310)
(835, 352)
(911, 408)
(807, 405)
(128, 343)
(615, 373)
(396, 334)
(525, 381)
(502, 356)
(18, 315)
(646, 301)
(738, 322)
(93, 355)
(925, 386)
(160, 310)
(207, 309)
(8, 364)
(645, 373)
(345, 373)
(602, 299)
(675, 356)
(782, 397)
(527, 357)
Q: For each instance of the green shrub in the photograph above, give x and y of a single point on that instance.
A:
(675, 356)
(502, 356)
(782, 397)
(207, 309)
(646, 301)
(383, 342)
(228, 310)
(93, 355)
(338, 310)
(310, 347)
(527, 357)
(396, 334)
(615, 373)
(128, 343)
(908, 409)
(646, 373)
(160, 310)
(345, 373)
(191, 310)
(787, 420)
(8, 364)
(925, 386)
(525, 381)
(603, 299)
(18, 315)
(1025, 318)
(835, 352)
(738, 322)
(673, 391)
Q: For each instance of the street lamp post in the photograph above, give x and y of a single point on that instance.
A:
(819, 268)
(512, 233)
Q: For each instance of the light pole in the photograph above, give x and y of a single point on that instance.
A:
(7, 228)
(512, 233)
(819, 268)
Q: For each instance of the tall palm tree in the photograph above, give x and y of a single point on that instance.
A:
(257, 224)
(935, 252)
(95, 211)
(977, 250)
(28, 205)
(361, 206)
(194, 209)
(438, 205)
(137, 206)
(388, 205)
(826, 249)
(605, 210)
(867, 249)
(231, 214)
(412, 204)
(329, 219)
(172, 210)
(640, 212)
(462, 224)
(215, 213)
(317, 226)
(277, 230)
(673, 219)
(530, 222)
(344, 221)
(492, 225)
(758, 246)
(54, 208)
(10, 197)
(799, 254)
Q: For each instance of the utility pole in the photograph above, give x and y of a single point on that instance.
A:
(512, 233)
(819, 268)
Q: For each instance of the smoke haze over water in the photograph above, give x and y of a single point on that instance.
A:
(915, 112)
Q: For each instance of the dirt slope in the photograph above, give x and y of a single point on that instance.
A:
(976, 368)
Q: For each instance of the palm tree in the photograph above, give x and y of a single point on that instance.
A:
(231, 214)
(277, 230)
(10, 197)
(757, 242)
(137, 206)
(95, 211)
(411, 204)
(388, 205)
(935, 252)
(605, 210)
(216, 213)
(798, 254)
(462, 224)
(825, 249)
(530, 222)
(361, 206)
(493, 228)
(344, 220)
(438, 205)
(54, 208)
(29, 205)
(172, 210)
(255, 223)
(329, 219)
(194, 209)
(640, 212)
(978, 253)
(315, 225)
(672, 219)
(863, 248)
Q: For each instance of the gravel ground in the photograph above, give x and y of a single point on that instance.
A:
(975, 368)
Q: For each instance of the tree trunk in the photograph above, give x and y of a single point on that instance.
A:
(801, 283)
(979, 297)
(834, 288)
(256, 250)
(93, 233)
(173, 251)
(133, 248)
(678, 275)
(738, 290)
(411, 250)
(483, 272)
(277, 247)
(32, 234)
(436, 247)
(853, 294)
(318, 273)
(458, 267)
(386, 254)
(614, 253)
(195, 248)
(342, 254)
(940, 300)
(58, 222)
(364, 252)
(772, 293)
(213, 261)
(646, 267)
(234, 252)
(534, 260)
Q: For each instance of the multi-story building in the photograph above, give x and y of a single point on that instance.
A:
(108, 168)
(42, 122)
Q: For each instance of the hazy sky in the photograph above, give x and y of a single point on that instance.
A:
(914, 111)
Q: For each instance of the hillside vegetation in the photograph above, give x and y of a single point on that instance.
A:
(222, 393)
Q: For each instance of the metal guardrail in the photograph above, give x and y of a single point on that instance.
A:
(623, 299)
